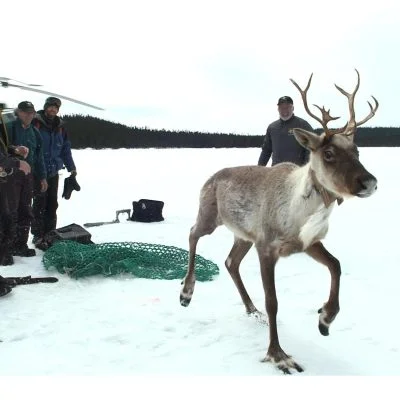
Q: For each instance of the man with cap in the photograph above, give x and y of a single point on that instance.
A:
(57, 153)
(9, 165)
(25, 136)
(279, 142)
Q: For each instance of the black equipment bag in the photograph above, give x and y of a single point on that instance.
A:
(146, 210)
(70, 232)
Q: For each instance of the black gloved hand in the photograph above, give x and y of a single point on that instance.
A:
(5, 286)
(4, 289)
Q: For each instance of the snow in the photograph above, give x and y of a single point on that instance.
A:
(128, 326)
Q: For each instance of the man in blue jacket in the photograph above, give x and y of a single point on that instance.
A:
(57, 153)
(25, 136)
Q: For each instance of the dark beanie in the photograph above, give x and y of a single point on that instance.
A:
(52, 101)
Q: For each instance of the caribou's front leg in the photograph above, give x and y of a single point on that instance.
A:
(275, 354)
(331, 308)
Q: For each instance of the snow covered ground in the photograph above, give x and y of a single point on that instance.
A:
(127, 326)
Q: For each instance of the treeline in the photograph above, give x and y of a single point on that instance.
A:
(96, 133)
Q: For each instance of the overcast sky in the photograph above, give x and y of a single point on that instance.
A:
(212, 66)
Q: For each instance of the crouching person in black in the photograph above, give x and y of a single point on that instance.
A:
(57, 153)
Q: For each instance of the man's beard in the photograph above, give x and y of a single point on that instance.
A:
(286, 118)
(49, 116)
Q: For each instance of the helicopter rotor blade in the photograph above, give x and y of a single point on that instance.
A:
(54, 94)
(14, 80)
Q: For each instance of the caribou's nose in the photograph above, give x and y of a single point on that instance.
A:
(368, 185)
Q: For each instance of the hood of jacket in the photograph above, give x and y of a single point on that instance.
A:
(51, 124)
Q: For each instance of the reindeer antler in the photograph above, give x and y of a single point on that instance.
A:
(326, 117)
(350, 127)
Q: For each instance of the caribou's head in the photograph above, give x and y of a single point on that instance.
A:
(333, 155)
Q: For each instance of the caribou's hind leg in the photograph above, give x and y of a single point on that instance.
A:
(205, 225)
(239, 250)
(330, 309)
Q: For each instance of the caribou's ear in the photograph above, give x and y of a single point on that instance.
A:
(309, 140)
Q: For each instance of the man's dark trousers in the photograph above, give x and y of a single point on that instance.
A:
(20, 203)
(45, 208)
(7, 223)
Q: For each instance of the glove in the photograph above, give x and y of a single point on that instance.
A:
(5, 286)
(5, 289)
(70, 184)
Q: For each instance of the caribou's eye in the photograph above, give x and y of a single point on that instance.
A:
(328, 155)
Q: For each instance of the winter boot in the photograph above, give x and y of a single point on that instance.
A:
(40, 243)
(5, 256)
(20, 247)
(24, 251)
(6, 259)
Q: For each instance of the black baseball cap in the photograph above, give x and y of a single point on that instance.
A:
(26, 106)
(52, 101)
(285, 99)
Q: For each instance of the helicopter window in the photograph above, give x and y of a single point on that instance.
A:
(7, 116)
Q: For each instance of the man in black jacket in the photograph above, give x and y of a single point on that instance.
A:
(22, 133)
(9, 165)
(279, 143)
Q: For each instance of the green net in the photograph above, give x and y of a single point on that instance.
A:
(143, 260)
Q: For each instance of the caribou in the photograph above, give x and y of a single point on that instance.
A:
(284, 210)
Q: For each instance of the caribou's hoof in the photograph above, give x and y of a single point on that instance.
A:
(323, 329)
(284, 363)
(185, 301)
(186, 292)
(324, 321)
(259, 317)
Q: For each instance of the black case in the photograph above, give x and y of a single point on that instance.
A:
(70, 232)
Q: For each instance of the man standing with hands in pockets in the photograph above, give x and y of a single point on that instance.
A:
(28, 143)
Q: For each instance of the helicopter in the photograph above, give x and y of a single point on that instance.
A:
(8, 114)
